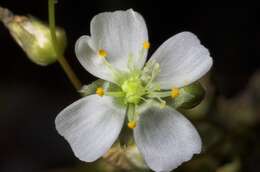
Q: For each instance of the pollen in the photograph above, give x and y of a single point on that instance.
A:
(102, 53)
(131, 124)
(146, 45)
(175, 92)
(100, 91)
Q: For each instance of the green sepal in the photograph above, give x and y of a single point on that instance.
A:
(89, 89)
(190, 96)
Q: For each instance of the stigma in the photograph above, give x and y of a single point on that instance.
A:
(131, 124)
(133, 90)
(102, 53)
(100, 91)
(175, 92)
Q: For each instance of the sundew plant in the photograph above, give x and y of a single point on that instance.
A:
(134, 116)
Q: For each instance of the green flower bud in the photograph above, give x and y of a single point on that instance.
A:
(189, 97)
(34, 37)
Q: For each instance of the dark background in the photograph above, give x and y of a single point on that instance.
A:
(31, 96)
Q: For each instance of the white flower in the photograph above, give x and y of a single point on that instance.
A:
(116, 52)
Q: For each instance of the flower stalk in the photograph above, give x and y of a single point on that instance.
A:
(62, 60)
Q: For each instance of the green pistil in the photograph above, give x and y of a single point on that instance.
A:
(137, 86)
(133, 90)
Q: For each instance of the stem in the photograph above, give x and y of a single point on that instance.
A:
(69, 72)
(52, 26)
(62, 61)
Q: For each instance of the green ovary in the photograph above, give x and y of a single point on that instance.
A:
(133, 90)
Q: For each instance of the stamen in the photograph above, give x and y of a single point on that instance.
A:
(162, 105)
(102, 53)
(113, 70)
(175, 92)
(131, 115)
(130, 63)
(162, 102)
(145, 100)
(131, 124)
(146, 45)
(100, 91)
(161, 94)
(115, 94)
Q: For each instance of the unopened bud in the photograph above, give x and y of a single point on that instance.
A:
(34, 37)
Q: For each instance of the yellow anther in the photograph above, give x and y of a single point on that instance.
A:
(100, 91)
(175, 92)
(146, 45)
(131, 124)
(102, 53)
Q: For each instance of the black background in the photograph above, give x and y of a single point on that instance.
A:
(31, 96)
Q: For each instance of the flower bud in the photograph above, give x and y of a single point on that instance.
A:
(189, 96)
(34, 37)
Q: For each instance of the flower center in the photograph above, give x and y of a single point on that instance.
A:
(137, 87)
(133, 90)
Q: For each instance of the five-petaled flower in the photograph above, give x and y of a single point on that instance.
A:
(116, 52)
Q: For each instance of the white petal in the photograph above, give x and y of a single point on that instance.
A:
(182, 60)
(89, 59)
(121, 34)
(166, 138)
(90, 125)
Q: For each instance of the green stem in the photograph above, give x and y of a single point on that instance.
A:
(69, 72)
(52, 26)
(62, 61)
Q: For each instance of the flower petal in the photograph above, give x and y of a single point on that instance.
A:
(90, 125)
(122, 34)
(166, 138)
(182, 60)
(90, 60)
